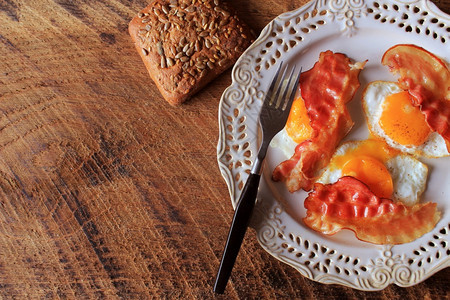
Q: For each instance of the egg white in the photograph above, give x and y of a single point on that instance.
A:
(284, 142)
(373, 98)
(409, 176)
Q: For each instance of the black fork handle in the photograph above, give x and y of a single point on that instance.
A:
(241, 219)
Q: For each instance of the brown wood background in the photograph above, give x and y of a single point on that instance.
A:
(105, 190)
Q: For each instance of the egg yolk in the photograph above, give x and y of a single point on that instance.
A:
(403, 122)
(367, 164)
(372, 172)
(374, 148)
(297, 126)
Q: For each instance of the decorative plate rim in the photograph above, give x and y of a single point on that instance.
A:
(237, 144)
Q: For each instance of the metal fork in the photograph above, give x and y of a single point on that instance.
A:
(272, 118)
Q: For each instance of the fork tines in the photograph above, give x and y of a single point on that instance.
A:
(282, 88)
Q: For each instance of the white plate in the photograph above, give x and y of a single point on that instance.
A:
(362, 30)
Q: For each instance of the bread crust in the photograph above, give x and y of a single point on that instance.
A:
(186, 44)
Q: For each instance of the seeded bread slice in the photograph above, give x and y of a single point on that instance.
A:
(187, 43)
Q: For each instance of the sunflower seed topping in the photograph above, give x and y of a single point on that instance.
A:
(190, 51)
(170, 62)
(204, 21)
(186, 38)
(200, 65)
(160, 48)
(189, 17)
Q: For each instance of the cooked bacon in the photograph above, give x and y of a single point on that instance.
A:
(427, 79)
(350, 204)
(326, 88)
(436, 111)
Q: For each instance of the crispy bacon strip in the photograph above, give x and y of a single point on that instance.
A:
(326, 88)
(427, 79)
(436, 111)
(350, 204)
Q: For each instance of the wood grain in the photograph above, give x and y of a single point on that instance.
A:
(108, 192)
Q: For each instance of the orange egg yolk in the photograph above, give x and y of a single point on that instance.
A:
(367, 164)
(403, 122)
(372, 172)
(297, 125)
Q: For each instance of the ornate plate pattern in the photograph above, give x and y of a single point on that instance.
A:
(363, 30)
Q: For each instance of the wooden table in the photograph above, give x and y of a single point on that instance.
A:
(105, 190)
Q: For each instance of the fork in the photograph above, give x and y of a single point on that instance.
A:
(272, 118)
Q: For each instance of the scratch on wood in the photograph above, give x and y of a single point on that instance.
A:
(108, 38)
(75, 10)
(11, 9)
(7, 43)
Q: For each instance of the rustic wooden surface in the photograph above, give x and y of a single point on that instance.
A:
(105, 190)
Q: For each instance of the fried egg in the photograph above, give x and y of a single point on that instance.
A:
(386, 171)
(391, 116)
(284, 142)
(297, 129)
